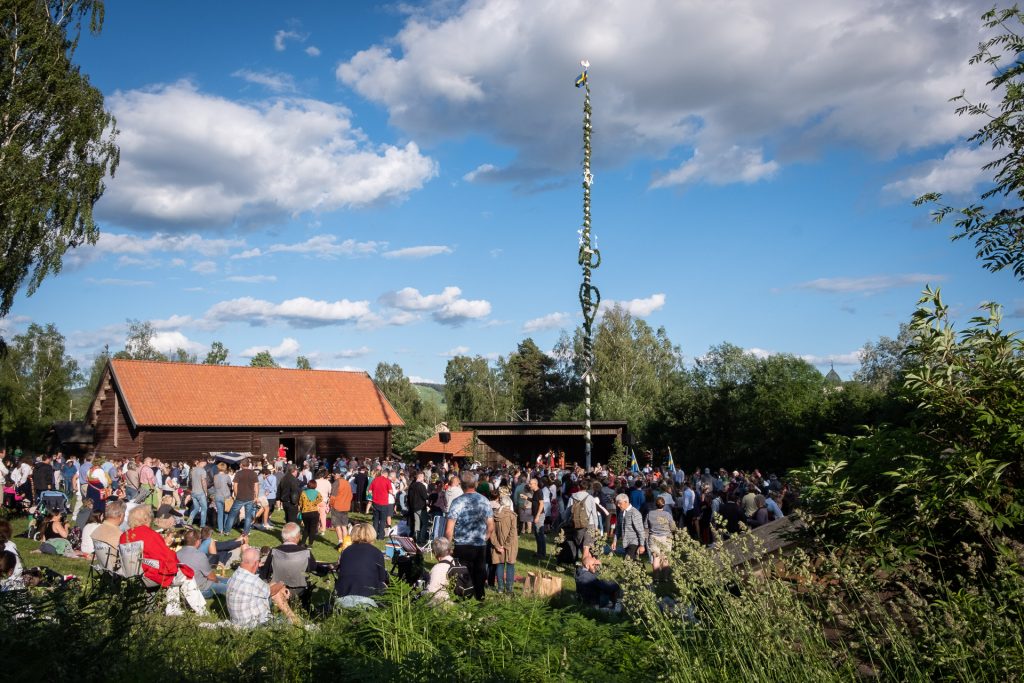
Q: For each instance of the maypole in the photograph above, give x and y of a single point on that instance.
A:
(589, 258)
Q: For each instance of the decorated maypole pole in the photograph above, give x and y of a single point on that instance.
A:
(589, 258)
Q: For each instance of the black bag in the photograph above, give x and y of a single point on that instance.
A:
(462, 585)
(566, 552)
(408, 568)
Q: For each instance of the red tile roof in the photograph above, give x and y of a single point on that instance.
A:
(461, 445)
(161, 394)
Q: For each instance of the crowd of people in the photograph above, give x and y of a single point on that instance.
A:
(470, 519)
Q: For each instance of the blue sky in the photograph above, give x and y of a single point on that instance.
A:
(360, 182)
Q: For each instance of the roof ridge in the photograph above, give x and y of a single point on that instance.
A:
(244, 367)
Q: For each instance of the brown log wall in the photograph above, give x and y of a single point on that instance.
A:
(186, 444)
(129, 442)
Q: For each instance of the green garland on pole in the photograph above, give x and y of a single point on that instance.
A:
(589, 259)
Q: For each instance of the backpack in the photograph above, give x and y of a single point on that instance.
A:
(462, 586)
(580, 518)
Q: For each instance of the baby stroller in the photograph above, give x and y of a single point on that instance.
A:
(49, 503)
(406, 560)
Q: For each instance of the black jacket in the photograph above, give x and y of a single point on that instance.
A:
(42, 477)
(289, 489)
(417, 498)
(361, 571)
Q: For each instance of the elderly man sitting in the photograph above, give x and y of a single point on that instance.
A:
(107, 536)
(249, 597)
(289, 563)
(437, 584)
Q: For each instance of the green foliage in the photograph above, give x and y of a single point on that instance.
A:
(476, 391)
(263, 359)
(181, 355)
(530, 376)
(36, 376)
(302, 363)
(942, 488)
(882, 363)
(998, 234)
(218, 354)
(56, 141)
(420, 416)
(139, 343)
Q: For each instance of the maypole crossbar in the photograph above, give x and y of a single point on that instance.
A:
(589, 259)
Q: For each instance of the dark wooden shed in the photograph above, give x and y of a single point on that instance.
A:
(180, 411)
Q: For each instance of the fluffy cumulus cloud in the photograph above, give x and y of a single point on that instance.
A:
(959, 171)
(747, 84)
(871, 284)
(195, 159)
(551, 321)
(171, 341)
(638, 308)
(417, 252)
(298, 312)
(288, 348)
(448, 307)
(320, 246)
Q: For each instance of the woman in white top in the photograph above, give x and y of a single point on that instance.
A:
(94, 522)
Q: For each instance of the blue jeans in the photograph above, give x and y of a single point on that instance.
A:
(219, 504)
(506, 576)
(542, 547)
(216, 588)
(250, 508)
(199, 505)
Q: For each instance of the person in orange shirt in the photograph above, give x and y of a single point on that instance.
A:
(561, 460)
(341, 504)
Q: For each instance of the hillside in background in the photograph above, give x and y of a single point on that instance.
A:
(432, 393)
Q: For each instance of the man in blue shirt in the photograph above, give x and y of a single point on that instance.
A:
(470, 525)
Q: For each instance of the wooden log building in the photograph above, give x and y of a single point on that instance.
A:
(180, 411)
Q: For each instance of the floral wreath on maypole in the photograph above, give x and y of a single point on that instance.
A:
(589, 259)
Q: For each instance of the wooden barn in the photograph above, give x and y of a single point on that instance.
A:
(459, 445)
(179, 411)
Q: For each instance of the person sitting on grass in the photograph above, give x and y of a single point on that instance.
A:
(207, 581)
(592, 590)
(221, 552)
(160, 566)
(289, 563)
(361, 573)
(249, 597)
(437, 583)
(6, 544)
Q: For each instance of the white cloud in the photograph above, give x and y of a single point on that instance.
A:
(173, 323)
(734, 165)
(171, 341)
(551, 321)
(119, 282)
(204, 267)
(272, 80)
(282, 37)
(313, 51)
(791, 78)
(353, 353)
(447, 307)
(251, 279)
(288, 348)
(481, 170)
(959, 171)
(456, 351)
(191, 158)
(416, 379)
(299, 312)
(322, 246)
(416, 252)
(638, 308)
(871, 284)
(759, 353)
(134, 246)
(850, 358)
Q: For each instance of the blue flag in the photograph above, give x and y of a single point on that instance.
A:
(671, 462)
(633, 465)
(581, 79)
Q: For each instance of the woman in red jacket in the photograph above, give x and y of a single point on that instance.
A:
(160, 566)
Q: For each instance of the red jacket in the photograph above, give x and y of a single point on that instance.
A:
(155, 548)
